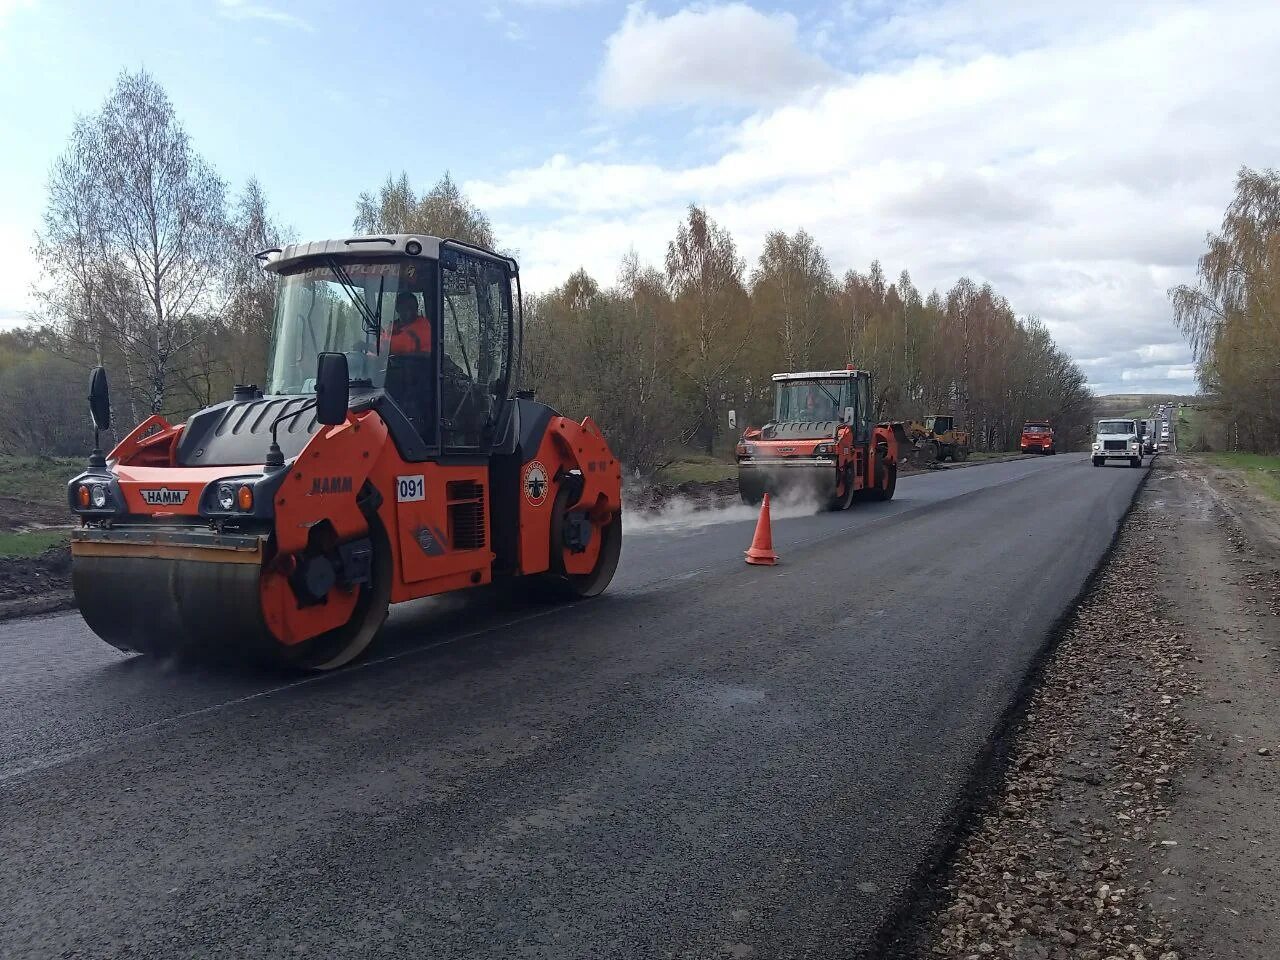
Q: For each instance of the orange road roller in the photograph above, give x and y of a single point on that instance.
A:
(389, 457)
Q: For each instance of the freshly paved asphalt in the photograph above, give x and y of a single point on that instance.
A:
(710, 760)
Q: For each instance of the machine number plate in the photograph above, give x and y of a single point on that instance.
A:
(410, 489)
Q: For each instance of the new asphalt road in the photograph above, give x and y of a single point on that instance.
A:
(710, 760)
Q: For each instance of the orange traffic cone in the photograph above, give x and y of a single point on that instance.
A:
(762, 543)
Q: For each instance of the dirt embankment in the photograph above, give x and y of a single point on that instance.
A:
(39, 584)
(698, 493)
(1139, 811)
(17, 513)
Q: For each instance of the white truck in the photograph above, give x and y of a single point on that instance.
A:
(1149, 437)
(1117, 440)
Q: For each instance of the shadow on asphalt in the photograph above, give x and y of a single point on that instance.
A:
(412, 626)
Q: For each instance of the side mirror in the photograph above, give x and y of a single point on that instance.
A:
(733, 419)
(848, 414)
(99, 399)
(333, 389)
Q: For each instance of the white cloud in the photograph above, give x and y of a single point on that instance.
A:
(1078, 176)
(728, 53)
(1162, 352)
(246, 10)
(882, 31)
(510, 28)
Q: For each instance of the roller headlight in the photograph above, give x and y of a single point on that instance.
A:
(226, 497)
(93, 495)
(824, 449)
(234, 495)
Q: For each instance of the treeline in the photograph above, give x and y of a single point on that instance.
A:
(663, 354)
(1231, 316)
(148, 269)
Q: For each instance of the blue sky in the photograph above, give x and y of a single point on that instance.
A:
(1072, 154)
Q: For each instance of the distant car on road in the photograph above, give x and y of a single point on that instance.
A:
(1117, 440)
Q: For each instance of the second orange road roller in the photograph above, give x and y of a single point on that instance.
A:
(822, 442)
(389, 457)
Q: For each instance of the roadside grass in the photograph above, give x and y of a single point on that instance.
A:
(41, 480)
(1190, 425)
(697, 468)
(1260, 472)
(1197, 428)
(31, 543)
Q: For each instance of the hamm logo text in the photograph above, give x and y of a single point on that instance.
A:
(164, 497)
(330, 485)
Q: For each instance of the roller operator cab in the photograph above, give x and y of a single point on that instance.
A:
(821, 443)
(1117, 440)
(388, 458)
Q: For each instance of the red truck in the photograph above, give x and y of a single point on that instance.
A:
(1037, 437)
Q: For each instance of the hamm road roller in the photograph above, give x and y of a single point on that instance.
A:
(388, 457)
(822, 442)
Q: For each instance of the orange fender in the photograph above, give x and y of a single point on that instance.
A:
(322, 485)
(323, 482)
(566, 446)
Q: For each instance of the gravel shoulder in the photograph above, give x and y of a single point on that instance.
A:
(1136, 807)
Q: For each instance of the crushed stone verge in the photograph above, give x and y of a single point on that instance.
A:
(1139, 812)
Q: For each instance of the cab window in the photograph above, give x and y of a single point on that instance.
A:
(475, 347)
(863, 431)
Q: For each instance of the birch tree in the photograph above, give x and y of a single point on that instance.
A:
(1231, 316)
(443, 211)
(704, 274)
(139, 255)
(791, 289)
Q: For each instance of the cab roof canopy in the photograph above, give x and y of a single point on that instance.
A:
(360, 248)
(818, 374)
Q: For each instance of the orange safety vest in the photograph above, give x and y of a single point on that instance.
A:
(413, 337)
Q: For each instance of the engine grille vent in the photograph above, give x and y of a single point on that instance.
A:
(464, 490)
(466, 514)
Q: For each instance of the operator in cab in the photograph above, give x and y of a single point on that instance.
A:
(818, 405)
(411, 330)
